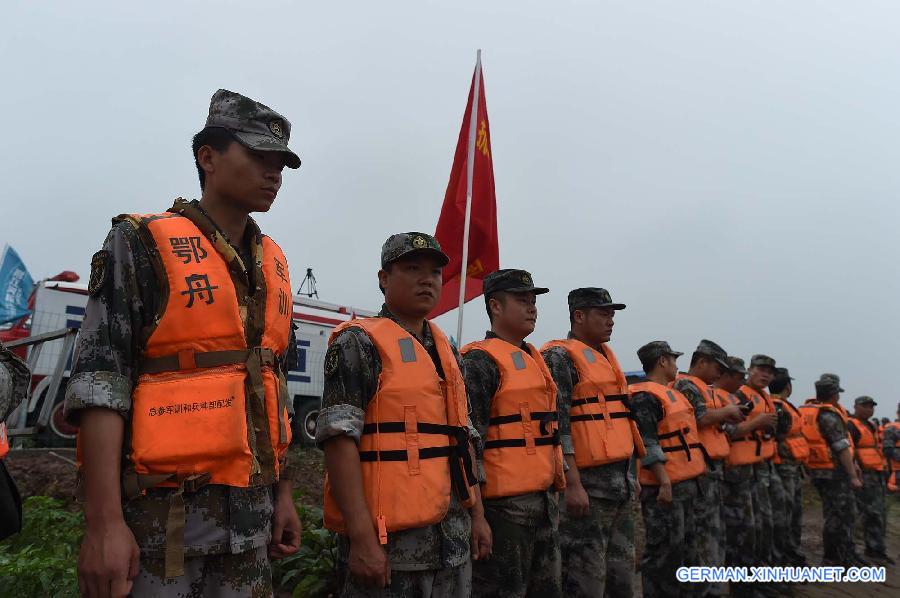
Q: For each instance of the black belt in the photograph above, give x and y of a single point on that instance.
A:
(544, 417)
(683, 443)
(579, 402)
(520, 442)
(462, 473)
(599, 416)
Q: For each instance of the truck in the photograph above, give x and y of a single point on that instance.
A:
(59, 305)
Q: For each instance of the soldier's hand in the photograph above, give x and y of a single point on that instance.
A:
(665, 494)
(482, 538)
(286, 526)
(577, 503)
(767, 420)
(856, 483)
(369, 564)
(108, 561)
(733, 414)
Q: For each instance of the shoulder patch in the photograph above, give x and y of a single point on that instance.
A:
(332, 358)
(99, 272)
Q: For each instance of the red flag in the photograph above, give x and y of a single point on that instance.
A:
(484, 253)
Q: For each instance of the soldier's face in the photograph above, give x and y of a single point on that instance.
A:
(760, 376)
(730, 381)
(248, 179)
(669, 364)
(515, 313)
(709, 370)
(412, 285)
(598, 323)
(864, 411)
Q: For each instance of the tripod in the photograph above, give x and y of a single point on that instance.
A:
(309, 281)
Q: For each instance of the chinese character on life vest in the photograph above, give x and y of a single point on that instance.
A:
(283, 302)
(279, 270)
(198, 284)
(188, 249)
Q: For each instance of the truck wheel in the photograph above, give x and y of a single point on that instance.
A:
(304, 423)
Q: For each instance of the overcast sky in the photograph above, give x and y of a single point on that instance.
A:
(728, 170)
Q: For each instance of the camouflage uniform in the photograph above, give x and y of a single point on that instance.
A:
(870, 502)
(708, 505)
(833, 486)
(597, 550)
(15, 379)
(670, 529)
(431, 561)
(220, 520)
(526, 558)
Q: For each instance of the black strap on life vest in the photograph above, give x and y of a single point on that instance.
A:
(600, 416)
(544, 417)
(462, 471)
(579, 402)
(683, 444)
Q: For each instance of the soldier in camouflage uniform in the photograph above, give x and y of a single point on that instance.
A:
(891, 447)
(870, 499)
(15, 379)
(708, 363)
(787, 503)
(835, 485)
(433, 561)
(762, 370)
(526, 559)
(668, 505)
(229, 533)
(598, 546)
(738, 516)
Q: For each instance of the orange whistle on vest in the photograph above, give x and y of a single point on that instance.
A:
(382, 530)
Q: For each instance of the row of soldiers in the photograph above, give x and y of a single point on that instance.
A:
(555, 432)
(497, 470)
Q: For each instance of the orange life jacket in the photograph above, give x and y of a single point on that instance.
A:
(868, 449)
(189, 414)
(894, 462)
(819, 451)
(756, 446)
(601, 425)
(521, 450)
(677, 433)
(4, 440)
(714, 440)
(795, 441)
(414, 434)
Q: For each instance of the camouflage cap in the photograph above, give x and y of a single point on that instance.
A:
(710, 349)
(833, 378)
(827, 387)
(511, 281)
(864, 400)
(254, 125)
(654, 350)
(592, 297)
(762, 360)
(736, 364)
(783, 373)
(403, 244)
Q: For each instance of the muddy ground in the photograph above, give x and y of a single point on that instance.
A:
(53, 473)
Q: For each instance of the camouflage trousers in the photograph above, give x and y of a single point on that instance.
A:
(670, 544)
(870, 505)
(710, 532)
(838, 513)
(787, 519)
(242, 575)
(598, 550)
(738, 518)
(762, 513)
(526, 559)
(454, 582)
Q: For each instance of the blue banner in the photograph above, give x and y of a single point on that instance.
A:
(15, 286)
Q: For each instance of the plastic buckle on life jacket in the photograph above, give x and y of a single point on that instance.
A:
(382, 530)
(194, 482)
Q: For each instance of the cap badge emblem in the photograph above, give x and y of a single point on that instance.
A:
(419, 242)
(526, 279)
(275, 127)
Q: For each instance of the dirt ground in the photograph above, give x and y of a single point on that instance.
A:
(52, 473)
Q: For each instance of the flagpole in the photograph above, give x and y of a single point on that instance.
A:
(470, 169)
